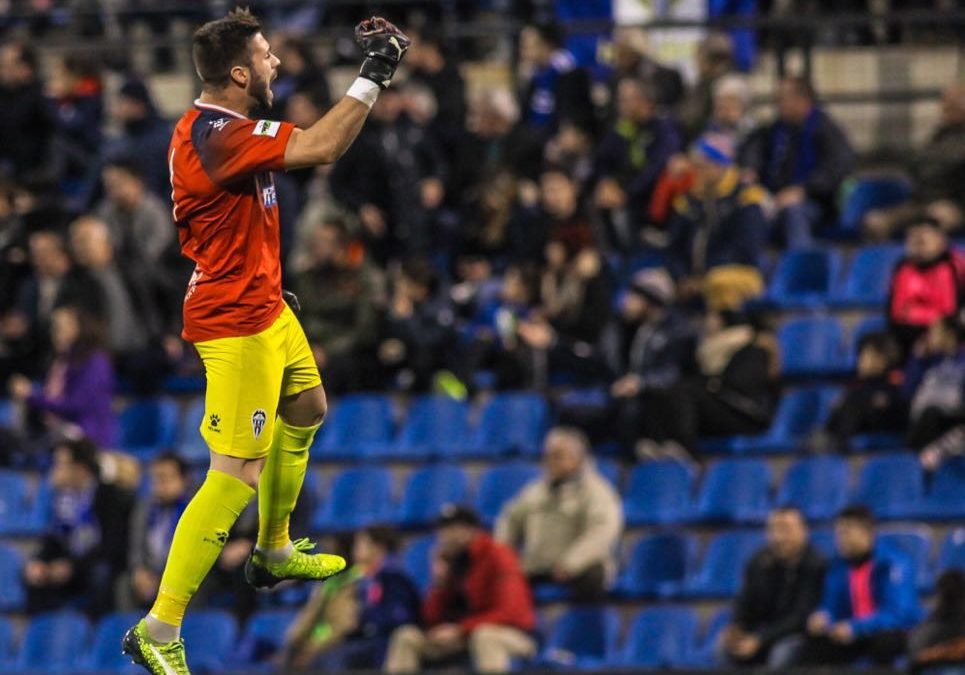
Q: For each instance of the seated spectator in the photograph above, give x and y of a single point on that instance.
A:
(937, 378)
(567, 524)
(346, 625)
(479, 604)
(802, 158)
(26, 124)
(85, 547)
(152, 527)
(341, 295)
(937, 646)
(927, 285)
(571, 150)
(631, 58)
(715, 59)
(870, 600)
(718, 231)
(630, 159)
(938, 171)
(731, 114)
(873, 402)
(781, 588)
(431, 64)
(734, 392)
(657, 349)
(76, 396)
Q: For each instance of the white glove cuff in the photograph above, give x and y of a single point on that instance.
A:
(364, 90)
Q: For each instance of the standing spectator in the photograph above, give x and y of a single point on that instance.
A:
(937, 646)
(630, 159)
(431, 65)
(152, 526)
(566, 524)
(927, 285)
(85, 547)
(349, 629)
(870, 600)
(479, 603)
(557, 87)
(873, 403)
(144, 137)
(341, 296)
(802, 158)
(658, 346)
(715, 59)
(299, 71)
(26, 126)
(936, 380)
(77, 99)
(718, 230)
(76, 396)
(781, 588)
(631, 58)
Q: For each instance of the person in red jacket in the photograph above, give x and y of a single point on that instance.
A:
(479, 603)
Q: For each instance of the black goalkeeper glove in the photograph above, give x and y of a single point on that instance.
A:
(291, 300)
(384, 46)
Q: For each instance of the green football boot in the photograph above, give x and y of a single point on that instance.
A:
(300, 565)
(156, 658)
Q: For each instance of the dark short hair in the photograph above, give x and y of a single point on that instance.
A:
(384, 537)
(883, 343)
(26, 54)
(220, 45)
(802, 86)
(921, 218)
(550, 32)
(92, 335)
(421, 272)
(458, 514)
(127, 164)
(169, 456)
(646, 88)
(82, 451)
(789, 509)
(859, 513)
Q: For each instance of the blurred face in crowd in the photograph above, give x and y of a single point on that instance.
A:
(47, 255)
(632, 102)
(64, 329)
(326, 245)
(629, 44)
(853, 537)
(14, 72)
(419, 103)
(563, 455)
(871, 362)
(558, 194)
(122, 187)
(940, 339)
(533, 50)
(924, 243)
(793, 105)
(387, 109)
(65, 473)
(453, 539)
(634, 307)
(953, 105)
(302, 111)
(366, 552)
(514, 289)
(127, 110)
(729, 110)
(787, 534)
(167, 483)
(90, 241)
(708, 172)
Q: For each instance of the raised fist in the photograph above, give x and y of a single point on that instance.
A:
(384, 46)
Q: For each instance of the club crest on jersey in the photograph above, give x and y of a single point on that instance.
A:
(258, 419)
(266, 128)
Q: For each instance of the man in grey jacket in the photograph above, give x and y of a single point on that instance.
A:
(566, 524)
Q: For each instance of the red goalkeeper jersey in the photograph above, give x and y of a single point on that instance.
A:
(226, 211)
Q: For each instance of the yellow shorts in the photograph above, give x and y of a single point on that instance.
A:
(246, 376)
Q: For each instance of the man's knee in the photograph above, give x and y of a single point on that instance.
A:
(306, 408)
(407, 636)
(483, 638)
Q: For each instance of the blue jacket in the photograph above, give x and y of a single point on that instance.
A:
(893, 589)
(387, 600)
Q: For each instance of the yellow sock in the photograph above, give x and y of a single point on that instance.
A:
(198, 539)
(281, 481)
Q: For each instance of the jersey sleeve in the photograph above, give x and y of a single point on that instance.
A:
(232, 149)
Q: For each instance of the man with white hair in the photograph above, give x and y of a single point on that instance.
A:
(731, 113)
(566, 523)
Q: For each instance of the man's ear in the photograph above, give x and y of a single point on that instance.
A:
(240, 75)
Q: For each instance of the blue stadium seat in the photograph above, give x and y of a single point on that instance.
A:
(657, 566)
(952, 554)
(890, 485)
(583, 637)
(357, 424)
(12, 595)
(217, 631)
(660, 637)
(358, 497)
(609, 469)
(818, 486)
(428, 490)
(50, 644)
(658, 493)
(148, 426)
(105, 654)
(14, 502)
(804, 278)
(8, 645)
(799, 413)
(724, 560)
(915, 543)
(510, 423)
(191, 445)
(499, 484)
(264, 634)
(435, 425)
(945, 498)
(6, 412)
(869, 276)
(734, 491)
(704, 655)
(811, 347)
(416, 560)
(867, 193)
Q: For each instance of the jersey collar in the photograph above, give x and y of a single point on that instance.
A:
(217, 108)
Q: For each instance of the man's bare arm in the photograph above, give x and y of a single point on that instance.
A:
(329, 138)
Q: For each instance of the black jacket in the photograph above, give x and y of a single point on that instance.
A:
(776, 599)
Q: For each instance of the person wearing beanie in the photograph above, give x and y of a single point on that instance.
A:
(718, 230)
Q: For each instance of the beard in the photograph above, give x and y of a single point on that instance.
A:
(260, 90)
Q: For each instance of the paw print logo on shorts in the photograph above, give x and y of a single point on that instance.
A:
(214, 421)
